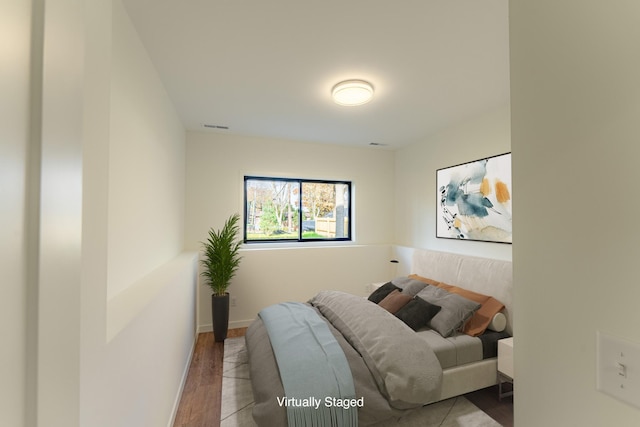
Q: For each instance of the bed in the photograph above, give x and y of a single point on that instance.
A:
(399, 365)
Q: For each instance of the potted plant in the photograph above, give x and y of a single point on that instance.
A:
(220, 261)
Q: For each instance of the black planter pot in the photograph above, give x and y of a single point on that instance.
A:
(220, 316)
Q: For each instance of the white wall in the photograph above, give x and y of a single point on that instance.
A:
(216, 165)
(146, 164)
(59, 245)
(71, 144)
(15, 39)
(138, 317)
(415, 181)
(575, 114)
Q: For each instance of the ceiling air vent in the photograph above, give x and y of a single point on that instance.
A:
(215, 126)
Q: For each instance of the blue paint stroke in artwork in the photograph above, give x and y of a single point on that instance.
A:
(469, 204)
(473, 205)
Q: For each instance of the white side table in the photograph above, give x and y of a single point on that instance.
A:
(505, 366)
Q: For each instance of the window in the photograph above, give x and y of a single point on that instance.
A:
(298, 210)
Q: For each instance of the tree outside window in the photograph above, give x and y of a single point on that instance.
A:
(285, 209)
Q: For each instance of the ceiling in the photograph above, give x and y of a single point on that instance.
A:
(266, 68)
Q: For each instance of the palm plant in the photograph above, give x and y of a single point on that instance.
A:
(221, 256)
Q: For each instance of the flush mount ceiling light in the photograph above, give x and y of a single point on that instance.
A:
(352, 92)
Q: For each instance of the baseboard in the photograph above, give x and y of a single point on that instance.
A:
(232, 325)
(240, 323)
(183, 381)
(205, 328)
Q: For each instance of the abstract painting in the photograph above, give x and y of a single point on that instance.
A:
(474, 200)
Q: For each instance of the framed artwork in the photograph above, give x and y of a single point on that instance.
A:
(474, 200)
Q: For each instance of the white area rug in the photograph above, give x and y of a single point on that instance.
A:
(237, 399)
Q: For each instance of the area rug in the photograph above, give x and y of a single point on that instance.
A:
(237, 399)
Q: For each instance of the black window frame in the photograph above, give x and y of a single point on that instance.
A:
(300, 238)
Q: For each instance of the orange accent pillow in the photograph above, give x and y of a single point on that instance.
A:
(482, 318)
(395, 301)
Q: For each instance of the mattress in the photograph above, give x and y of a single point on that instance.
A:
(461, 349)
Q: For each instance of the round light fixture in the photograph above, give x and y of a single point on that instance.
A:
(352, 92)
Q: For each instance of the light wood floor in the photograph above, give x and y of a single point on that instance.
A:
(201, 397)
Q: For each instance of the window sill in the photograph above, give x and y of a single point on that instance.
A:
(258, 246)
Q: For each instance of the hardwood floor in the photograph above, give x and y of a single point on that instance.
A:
(487, 400)
(200, 402)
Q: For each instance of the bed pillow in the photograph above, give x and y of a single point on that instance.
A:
(409, 286)
(498, 323)
(394, 301)
(423, 279)
(414, 287)
(481, 319)
(455, 312)
(417, 313)
(380, 293)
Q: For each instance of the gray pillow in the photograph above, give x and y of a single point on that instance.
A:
(409, 286)
(455, 312)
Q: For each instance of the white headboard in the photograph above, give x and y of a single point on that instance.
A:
(483, 275)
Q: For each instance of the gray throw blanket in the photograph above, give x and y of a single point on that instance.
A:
(318, 385)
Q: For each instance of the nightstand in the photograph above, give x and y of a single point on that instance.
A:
(505, 366)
